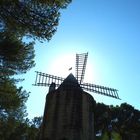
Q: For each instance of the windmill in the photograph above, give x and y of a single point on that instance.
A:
(43, 79)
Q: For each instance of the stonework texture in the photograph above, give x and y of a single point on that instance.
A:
(68, 114)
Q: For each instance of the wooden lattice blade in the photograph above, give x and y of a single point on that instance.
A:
(81, 60)
(101, 90)
(43, 79)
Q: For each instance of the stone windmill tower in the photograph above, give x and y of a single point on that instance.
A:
(68, 113)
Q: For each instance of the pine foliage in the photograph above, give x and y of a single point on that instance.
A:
(33, 18)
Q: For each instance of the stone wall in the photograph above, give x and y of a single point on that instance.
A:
(68, 115)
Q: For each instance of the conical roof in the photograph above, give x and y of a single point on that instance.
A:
(70, 83)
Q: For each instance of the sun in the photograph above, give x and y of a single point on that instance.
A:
(63, 65)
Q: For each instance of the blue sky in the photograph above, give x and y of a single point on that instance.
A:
(109, 30)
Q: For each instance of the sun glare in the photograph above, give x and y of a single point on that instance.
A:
(88, 78)
(63, 66)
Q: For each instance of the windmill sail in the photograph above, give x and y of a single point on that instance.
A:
(100, 90)
(81, 60)
(43, 79)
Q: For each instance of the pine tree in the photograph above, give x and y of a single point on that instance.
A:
(16, 57)
(33, 18)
